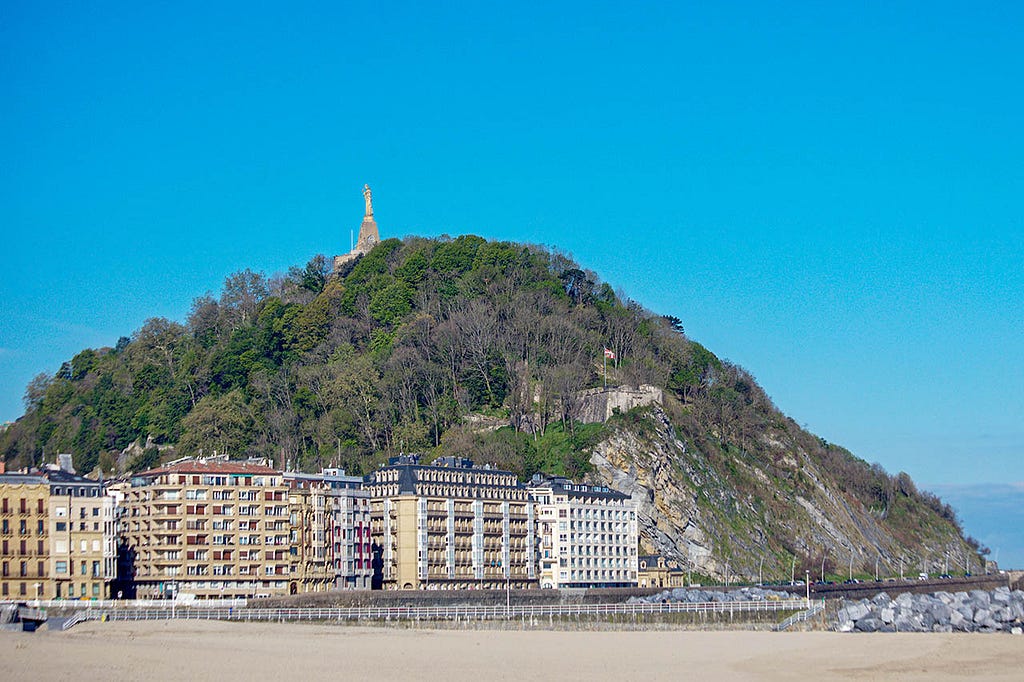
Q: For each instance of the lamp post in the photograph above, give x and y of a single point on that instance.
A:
(823, 556)
(792, 572)
(807, 585)
(876, 566)
(760, 575)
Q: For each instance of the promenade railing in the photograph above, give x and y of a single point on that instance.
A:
(450, 613)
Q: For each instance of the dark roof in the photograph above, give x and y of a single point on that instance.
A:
(66, 477)
(24, 479)
(560, 484)
(408, 475)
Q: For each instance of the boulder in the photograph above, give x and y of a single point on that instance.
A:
(980, 597)
(869, 624)
(857, 611)
(981, 615)
(845, 626)
(904, 623)
(958, 622)
(940, 613)
(887, 615)
(905, 600)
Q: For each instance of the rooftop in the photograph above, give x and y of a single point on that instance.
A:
(564, 485)
(201, 466)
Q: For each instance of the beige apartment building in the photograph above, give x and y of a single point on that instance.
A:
(450, 525)
(56, 536)
(82, 538)
(587, 535)
(330, 531)
(24, 540)
(208, 528)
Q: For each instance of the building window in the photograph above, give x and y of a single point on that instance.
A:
(62, 567)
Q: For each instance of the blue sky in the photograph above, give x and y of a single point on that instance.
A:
(829, 196)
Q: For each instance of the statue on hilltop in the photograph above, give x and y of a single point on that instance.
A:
(368, 196)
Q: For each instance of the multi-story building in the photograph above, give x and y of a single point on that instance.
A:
(330, 531)
(24, 540)
(349, 528)
(587, 535)
(209, 528)
(82, 538)
(310, 568)
(56, 536)
(450, 525)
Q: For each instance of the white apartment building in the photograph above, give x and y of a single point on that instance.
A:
(586, 535)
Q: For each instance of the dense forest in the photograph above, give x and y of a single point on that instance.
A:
(411, 348)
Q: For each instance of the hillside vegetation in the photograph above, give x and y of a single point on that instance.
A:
(460, 346)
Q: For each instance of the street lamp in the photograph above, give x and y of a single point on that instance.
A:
(807, 585)
(876, 566)
(792, 572)
(760, 575)
(823, 556)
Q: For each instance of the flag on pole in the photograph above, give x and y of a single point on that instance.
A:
(608, 353)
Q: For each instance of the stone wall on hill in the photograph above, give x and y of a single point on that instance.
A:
(599, 404)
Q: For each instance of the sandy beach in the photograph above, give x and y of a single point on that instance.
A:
(196, 650)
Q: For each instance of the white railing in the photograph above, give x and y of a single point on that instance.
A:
(128, 603)
(812, 611)
(454, 613)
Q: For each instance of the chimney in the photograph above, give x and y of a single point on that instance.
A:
(64, 460)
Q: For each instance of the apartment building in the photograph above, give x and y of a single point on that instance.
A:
(56, 536)
(82, 537)
(24, 537)
(450, 525)
(210, 528)
(586, 535)
(330, 531)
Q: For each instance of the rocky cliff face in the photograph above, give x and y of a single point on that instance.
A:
(775, 511)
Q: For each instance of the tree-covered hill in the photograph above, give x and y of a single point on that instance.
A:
(461, 346)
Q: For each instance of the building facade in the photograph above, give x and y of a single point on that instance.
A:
(330, 531)
(210, 528)
(82, 537)
(450, 525)
(24, 537)
(56, 536)
(658, 571)
(586, 535)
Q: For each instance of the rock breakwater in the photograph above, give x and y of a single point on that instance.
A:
(694, 596)
(1000, 610)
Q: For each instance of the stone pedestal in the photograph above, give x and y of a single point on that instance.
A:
(368, 236)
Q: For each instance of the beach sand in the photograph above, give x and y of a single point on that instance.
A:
(212, 650)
